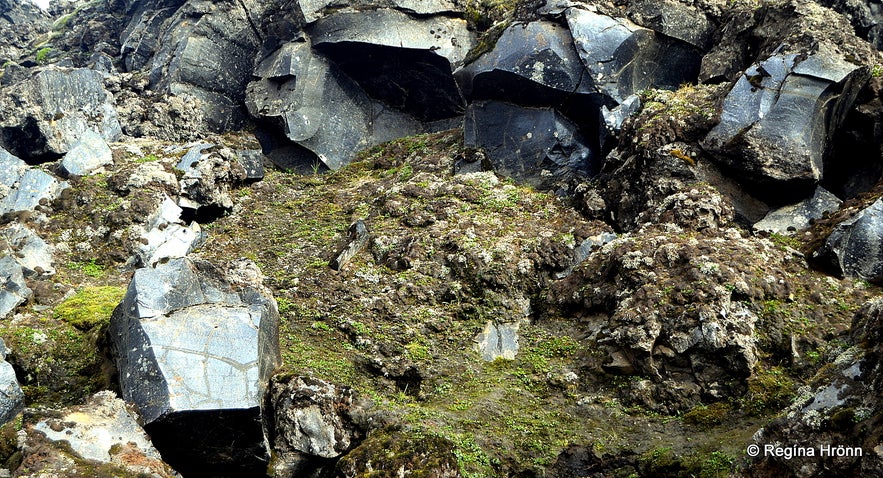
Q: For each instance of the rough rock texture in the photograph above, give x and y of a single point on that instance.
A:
(11, 396)
(795, 217)
(498, 341)
(766, 132)
(207, 180)
(684, 21)
(840, 409)
(13, 291)
(309, 418)
(49, 112)
(855, 247)
(20, 24)
(204, 51)
(29, 250)
(320, 108)
(22, 187)
(171, 337)
(644, 284)
(536, 146)
(165, 236)
(89, 153)
(622, 58)
(103, 430)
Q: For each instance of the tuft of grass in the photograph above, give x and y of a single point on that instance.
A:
(90, 307)
(43, 55)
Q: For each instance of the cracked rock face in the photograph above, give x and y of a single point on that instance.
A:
(171, 341)
(311, 418)
(22, 187)
(778, 119)
(855, 246)
(48, 113)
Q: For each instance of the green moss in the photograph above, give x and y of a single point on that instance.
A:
(769, 391)
(91, 306)
(42, 55)
(786, 241)
(91, 268)
(708, 416)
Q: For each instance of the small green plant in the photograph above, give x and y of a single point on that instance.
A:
(147, 159)
(43, 54)
(90, 307)
(285, 306)
(877, 70)
(90, 268)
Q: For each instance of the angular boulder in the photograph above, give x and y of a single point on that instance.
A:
(103, 430)
(195, 348)
(320, 108)
(89, 153)
(537, 146)
(402, 61)
(30, 250)
(531, 64)
(674, 19)
(166, 236)
(778, 120)
(22, 187)
(48, 113)
(207, 176)
(310, 419)
(13, 289)
(795, 217)
(498, 341)
(855, 246)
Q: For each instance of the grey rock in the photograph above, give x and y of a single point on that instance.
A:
(195, 347)
(778, 119)
(30, 250)
(20, 25)
(47, 114)
(674, 19)
(498, 341)
(623, 59)
(613, 118)
(12, 399)
(530, 63)
(446, 37)
(89, 153)
(165, 236)
(13, 289)
(311, 418)
(581, 252)
(95, 429)
(855, 246)
(537, 146)
(22, 187)
(207, 179)
(356, 240)
(795, 217)
(252, 161)
(320, 108)
(404, 62)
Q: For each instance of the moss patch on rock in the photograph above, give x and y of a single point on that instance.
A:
(90, 306)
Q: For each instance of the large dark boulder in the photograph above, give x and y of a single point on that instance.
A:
(203, 50)
(532, 64)
(855, 247)
(45, 115)
(404, 62)
(537, 146)
(778, 120)
(623, 59)
(195, 348)
(320, 108)
(12, 399)
(683, 21)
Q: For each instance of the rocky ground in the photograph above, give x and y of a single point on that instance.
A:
(447, 238)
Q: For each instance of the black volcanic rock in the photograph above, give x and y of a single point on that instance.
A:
(537, 146)
(779, 118)
(855, 247)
